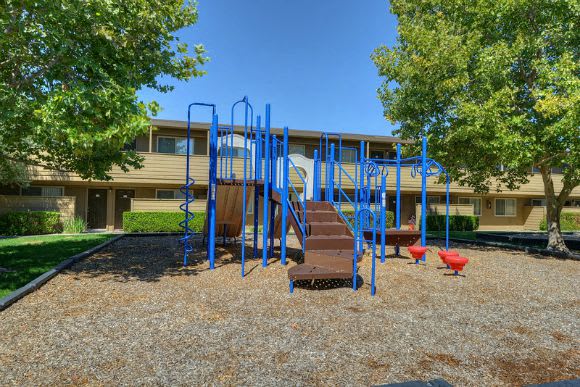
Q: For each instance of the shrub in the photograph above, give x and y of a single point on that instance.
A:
(160, 221)
(74, 225)
(30, 223)
(569, 221)
(456, 223)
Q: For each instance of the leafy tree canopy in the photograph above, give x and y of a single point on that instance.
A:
(492, 83)
(69, 73)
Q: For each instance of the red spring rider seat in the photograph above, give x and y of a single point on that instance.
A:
(443, 254)
(417, 252)
(456, 263)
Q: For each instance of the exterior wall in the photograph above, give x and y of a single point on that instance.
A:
(80, 194)
(63, 204)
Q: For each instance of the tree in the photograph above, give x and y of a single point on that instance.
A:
(69, 73)
(492, 83)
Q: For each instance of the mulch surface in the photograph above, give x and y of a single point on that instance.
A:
(132, 314)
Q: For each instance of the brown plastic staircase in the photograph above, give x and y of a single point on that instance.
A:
(329, 243)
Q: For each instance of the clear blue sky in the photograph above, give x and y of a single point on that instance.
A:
(309, 58)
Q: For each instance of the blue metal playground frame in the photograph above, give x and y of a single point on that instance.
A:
(268, 168)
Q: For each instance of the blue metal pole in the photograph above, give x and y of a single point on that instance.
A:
(245, 188)
(330, 167)
(361, 196)
(374, 255)
(447, 213)
(383, 215)
(398, 198)
(258, 175)
(274, 183)
(316, 182)
(284, 199)
(212, 192)
(424, 195)
(267, 187)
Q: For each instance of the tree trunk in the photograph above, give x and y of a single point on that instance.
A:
(553, 211)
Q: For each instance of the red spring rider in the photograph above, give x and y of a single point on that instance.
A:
(417, 252)
(456, 263)
(443, 254)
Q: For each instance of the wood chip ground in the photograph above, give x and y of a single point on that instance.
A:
(132, 314)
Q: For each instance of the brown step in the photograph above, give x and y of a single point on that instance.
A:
(307, 272)
(330, 260)
(319, 216)
(323, 206)
(327, 228)
(329, 242)
(340, 254)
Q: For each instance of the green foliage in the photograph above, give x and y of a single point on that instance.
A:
(496, 79)
(569, 221)
(160, 221)
(456, 223)
(27, 258)
(30, 223)
(69, 74)
(390, 217)
(74, 225)
(491, 83)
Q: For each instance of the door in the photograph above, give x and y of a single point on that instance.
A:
(122, 203)
(97, 208)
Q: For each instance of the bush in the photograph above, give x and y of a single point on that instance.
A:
(160, 221)
(456, 223)
(30, 223)
(569, 221)
(74, 225)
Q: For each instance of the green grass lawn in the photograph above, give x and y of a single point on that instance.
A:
(453, 234)
(28, 257)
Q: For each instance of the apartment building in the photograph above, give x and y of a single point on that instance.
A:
(155, 187)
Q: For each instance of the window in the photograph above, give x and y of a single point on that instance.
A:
(175, 145)
(476, 204)
(392, 155)
(9, 190)
(377, 154)
(296, 149)
(348, 156)
(538, 202)
(43, 191)
(168, 194)
(232, 152)
(505, 207)
(430, 200)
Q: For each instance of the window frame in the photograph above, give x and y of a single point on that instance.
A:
(515, 214)
(302, 146)
(175, 138)
(174, 190)
(41, 191)
(472, 198)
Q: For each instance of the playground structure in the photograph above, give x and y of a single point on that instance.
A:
(334, 228)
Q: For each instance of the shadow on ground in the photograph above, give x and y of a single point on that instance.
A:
(151, 258)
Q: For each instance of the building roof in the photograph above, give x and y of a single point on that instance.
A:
(279, 131)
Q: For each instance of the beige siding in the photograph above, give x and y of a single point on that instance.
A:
(440, 209)
(80, 194)
(63, 204)
(161, 170)
(141, 204)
